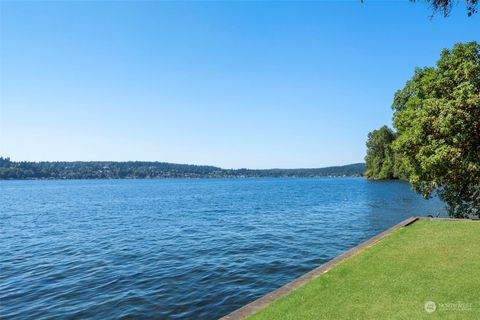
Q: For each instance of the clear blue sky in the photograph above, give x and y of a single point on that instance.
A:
(232, 84)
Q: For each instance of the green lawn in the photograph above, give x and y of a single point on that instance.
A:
(435, 261)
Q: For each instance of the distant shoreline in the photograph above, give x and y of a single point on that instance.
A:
(89, 170)
(190, 178)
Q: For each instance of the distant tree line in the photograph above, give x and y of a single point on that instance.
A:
(144, 170)
(436, 142)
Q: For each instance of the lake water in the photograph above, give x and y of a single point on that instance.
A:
(178, 249)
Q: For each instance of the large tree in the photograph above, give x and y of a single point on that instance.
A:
(437, 118)
(382, 162)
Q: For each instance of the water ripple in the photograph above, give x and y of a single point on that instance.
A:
(177, 249)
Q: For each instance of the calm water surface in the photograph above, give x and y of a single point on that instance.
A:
(178, 249)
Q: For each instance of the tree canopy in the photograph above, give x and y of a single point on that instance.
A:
(382, 162)
(437, 118)
(445, 6)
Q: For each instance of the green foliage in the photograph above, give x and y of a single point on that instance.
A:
(382, 162)
(144, 170)
(462, 203)
(437, 118)
(445, 6)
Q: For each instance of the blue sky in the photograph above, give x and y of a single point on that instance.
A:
(232, 84)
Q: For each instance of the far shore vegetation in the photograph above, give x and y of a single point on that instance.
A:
(10, 170)
(435, 143)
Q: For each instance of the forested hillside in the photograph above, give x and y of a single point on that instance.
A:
(139, 170)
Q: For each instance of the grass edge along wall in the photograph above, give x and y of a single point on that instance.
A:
(430, 260)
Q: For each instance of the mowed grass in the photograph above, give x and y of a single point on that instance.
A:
(435, 261)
